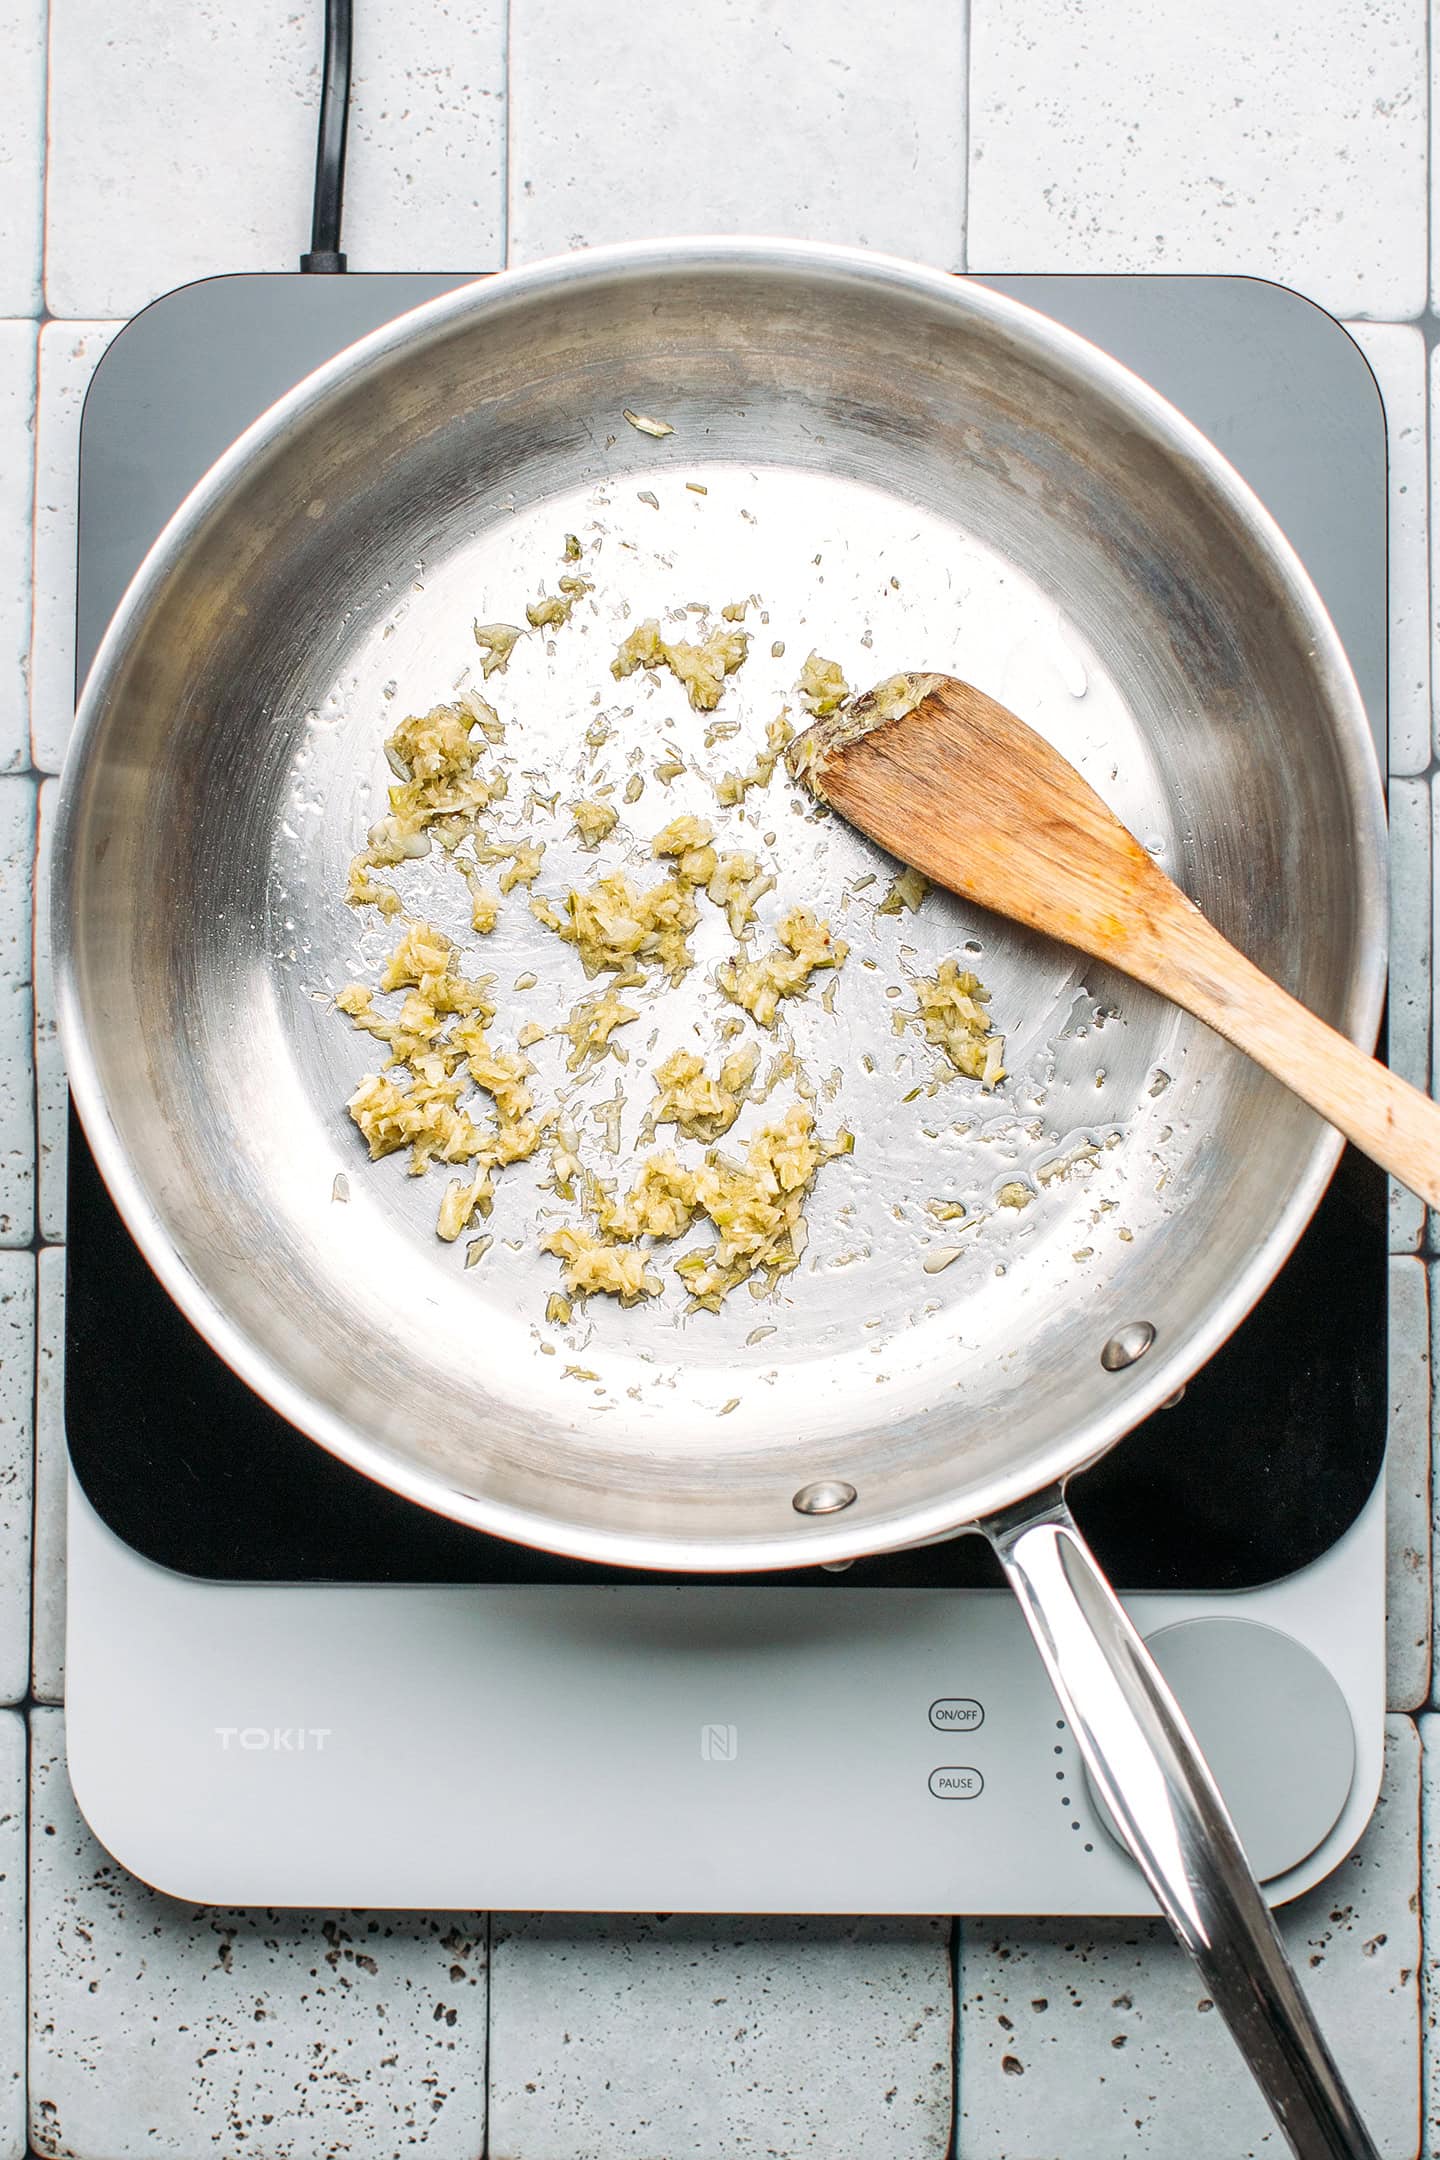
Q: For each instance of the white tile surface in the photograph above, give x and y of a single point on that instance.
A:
(68, 355)
(835, 121)
(12, 1935)
(1434, 524)
(183, 143)
(685, 2037)
(1407, 1221)
(22, 153)
(1412, 816)
(1410, 929)
(160, 2028)
(1407, 1489)
(17, 477)
(1430, 1897)
(17, 1092)
(1397, 359)
(1108, 134)
(17, 1412)
(51, 1098)
(1286, 140)
(1085, 2040)
(47, 1618)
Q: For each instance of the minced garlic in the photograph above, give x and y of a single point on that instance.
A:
(522, 859)
(553, 609)
(435, 1034)
(614, 925)
(701, 668)
(822, 686)
(906, 891)
(593, 1265)
(591, 1025)
(594, 821)
(496, 640)
(689, 840)
(698, 1106)
(423, 1117)
(502, 1073)
(661, 1203)
(759, 985)
(735, 884)
(952, 1011)
(484, 904)
(438, 794)
(757, 1207)
(732, 787)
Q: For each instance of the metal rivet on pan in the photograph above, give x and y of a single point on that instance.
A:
(1126, 1345)
(1171, 1400)
(825, 1497)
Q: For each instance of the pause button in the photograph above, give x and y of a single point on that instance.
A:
(955, 1782)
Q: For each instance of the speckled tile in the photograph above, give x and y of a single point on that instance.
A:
(1408, 1223)
(47, 1614)
(838, 121)
(68, 355)
(17, 1089)
(1397, 359)
(160, 2028)
(51, 1094)
(22, 153)
(17, 476)
(214, 108)
(17, 1412)
(1407, 1489)
(1411, 941)
(1287, 141)
(681, 2037)
(1089, 2040)
(1430, 1890)
(12, 1935)
(1410, 929)
(1434, 525)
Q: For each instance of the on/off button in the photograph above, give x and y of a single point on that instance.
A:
(956, 1713)
(954, 1782)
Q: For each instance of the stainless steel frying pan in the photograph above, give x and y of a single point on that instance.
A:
(906, 470)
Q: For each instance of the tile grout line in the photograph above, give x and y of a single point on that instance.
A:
(957, 1925)
(27, 1709)
(1432, 297)
(42, 237)
(1424, 1977)
(967, 15)
(505, 176)
(489, 2031)
(29, 1768)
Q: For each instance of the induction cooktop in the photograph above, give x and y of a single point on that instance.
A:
(288, 1685)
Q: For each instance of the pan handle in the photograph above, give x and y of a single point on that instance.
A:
(1144, 1759)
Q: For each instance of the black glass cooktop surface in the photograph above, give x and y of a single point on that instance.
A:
(1277, 1443)
(1265, 1462)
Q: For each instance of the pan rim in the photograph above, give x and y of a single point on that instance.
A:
(795, 1540)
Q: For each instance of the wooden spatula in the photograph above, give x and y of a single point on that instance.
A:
(950, 781)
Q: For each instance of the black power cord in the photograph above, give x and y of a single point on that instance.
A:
(324, 252)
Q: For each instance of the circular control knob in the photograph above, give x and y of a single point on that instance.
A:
(1274, 1727)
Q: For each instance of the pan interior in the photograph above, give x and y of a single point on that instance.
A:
(956, 501)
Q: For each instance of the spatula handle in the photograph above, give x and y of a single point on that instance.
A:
(1393, 1123)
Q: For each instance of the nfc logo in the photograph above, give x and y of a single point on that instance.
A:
(719, 1743)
